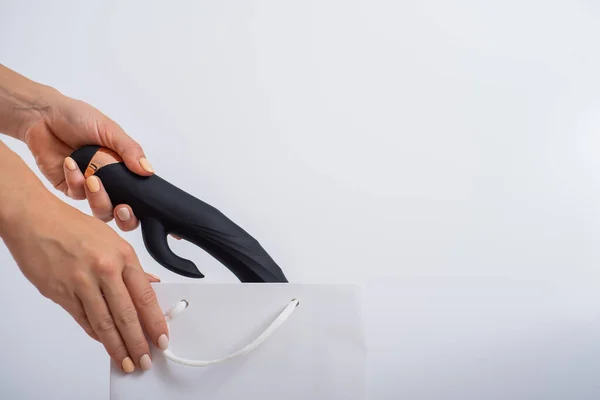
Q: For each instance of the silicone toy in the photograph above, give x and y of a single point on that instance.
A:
(164, 209)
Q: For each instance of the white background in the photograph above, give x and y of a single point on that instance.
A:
(445, 154)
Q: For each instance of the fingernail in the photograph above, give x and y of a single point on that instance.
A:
(146, 165)
(128, 365)
(163, 342)
(154, 276)
(145, 362)
(70, 163)
(123, 214)
(93, 184)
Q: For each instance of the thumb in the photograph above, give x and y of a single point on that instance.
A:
(130, 150)
(135, 159)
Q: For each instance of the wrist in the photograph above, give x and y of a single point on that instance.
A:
(38, 211)
(24, 200)
(23, 103)
(36, 103)
(18, 219)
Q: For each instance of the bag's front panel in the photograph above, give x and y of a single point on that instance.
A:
(318, 352)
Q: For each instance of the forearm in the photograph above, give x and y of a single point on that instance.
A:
(21, 192)
(21, 102)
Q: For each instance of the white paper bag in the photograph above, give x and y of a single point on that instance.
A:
(314, 346)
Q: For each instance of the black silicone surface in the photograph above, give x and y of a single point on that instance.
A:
(165, 209)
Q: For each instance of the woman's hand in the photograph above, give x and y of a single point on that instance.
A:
(84, 266)
(64, 125)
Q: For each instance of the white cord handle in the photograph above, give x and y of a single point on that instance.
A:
(182, 305)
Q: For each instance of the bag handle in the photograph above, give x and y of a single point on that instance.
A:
(277, 322)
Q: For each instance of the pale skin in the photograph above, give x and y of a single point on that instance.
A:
(74, 259)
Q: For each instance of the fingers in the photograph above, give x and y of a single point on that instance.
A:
(127, 321)
(125, 219)
(147, 305)
(108, 316)
(91, 188)
(74, 179)
(102, 322)
(98, 199)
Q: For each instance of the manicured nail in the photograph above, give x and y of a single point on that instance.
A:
(128, 365)
(154, 276)
(145, 362)
(70, 163)
(146, 165)
(163, 342)
(93, 184)
(123, 214)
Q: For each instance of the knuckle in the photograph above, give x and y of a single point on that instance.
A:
(81, 279)
(58, 287)
(128, 316)
(125, 249)
(134, 148)
(139, 345)
(117, 352)
(125, 252)
(159, 325)
(105, 324)
(147, 297)
(105, 266)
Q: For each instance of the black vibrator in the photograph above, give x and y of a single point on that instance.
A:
(164, 209)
